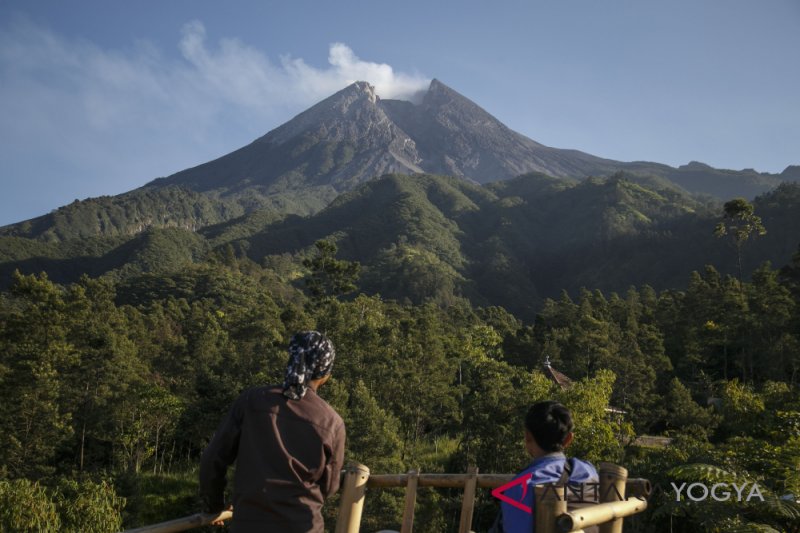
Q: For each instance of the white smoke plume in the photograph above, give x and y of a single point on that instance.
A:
(246, 76)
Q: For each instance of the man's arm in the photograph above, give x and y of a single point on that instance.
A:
(218, 455)
(329, 483)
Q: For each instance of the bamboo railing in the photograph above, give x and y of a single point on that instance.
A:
(619, 497)
(183, 524)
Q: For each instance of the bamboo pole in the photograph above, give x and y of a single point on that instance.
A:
(352, 502)
(411, 500)
(599, 514)
(182, 524)
(612, 489)
(468, 501)
(636, 487)
(550, 504)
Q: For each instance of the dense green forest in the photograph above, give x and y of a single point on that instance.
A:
(112, 387)
(420, 238)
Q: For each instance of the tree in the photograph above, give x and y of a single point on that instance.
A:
(742, 409)
(104, 367)
(372, 432)
(592, 338)
(772, 339)
(88, 506)
(330, 277)
(790, 274)
(26, 506)
(34, 350)
(683, 413)
(496, 398)
(598, 433)
(739, 223)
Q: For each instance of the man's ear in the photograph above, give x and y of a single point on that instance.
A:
(568, 439)
(317, 383)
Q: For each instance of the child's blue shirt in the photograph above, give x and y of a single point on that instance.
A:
(546, 469)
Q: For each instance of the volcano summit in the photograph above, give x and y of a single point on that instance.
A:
(354, 136)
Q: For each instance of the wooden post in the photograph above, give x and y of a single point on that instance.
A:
(612, 489)
(411, 500)
(468, 502)
(352, 502)
(550, 503)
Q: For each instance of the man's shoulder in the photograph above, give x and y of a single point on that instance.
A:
(323, 407)
(259, 398)
(260, 391)
(311, 407)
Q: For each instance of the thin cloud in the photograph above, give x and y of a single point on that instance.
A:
(98, 121)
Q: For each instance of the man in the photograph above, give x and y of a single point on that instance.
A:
(288, 444)
(548, 431)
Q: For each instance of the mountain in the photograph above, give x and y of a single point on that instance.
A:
(350, 138)
(354, 136)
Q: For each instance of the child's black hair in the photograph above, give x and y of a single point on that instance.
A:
(549, 422)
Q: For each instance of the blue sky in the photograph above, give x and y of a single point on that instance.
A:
(99, 97)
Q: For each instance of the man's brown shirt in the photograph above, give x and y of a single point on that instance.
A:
(288, 455)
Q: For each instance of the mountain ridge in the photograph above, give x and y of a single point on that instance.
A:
(347, 139)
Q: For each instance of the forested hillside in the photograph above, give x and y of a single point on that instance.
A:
(147, 208)
(111, 387)
(423, 237)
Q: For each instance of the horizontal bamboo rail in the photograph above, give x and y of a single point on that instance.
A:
(634, 488)
(182, 524)
(593, 515)
(612, 477)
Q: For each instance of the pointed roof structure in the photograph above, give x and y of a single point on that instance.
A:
(563, 381)
(555, 376)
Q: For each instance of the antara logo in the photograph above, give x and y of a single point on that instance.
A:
(578, 493)
(524, 480)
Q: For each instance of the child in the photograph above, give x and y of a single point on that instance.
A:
(548, 431)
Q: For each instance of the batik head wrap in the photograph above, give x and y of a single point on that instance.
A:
(311, 356)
